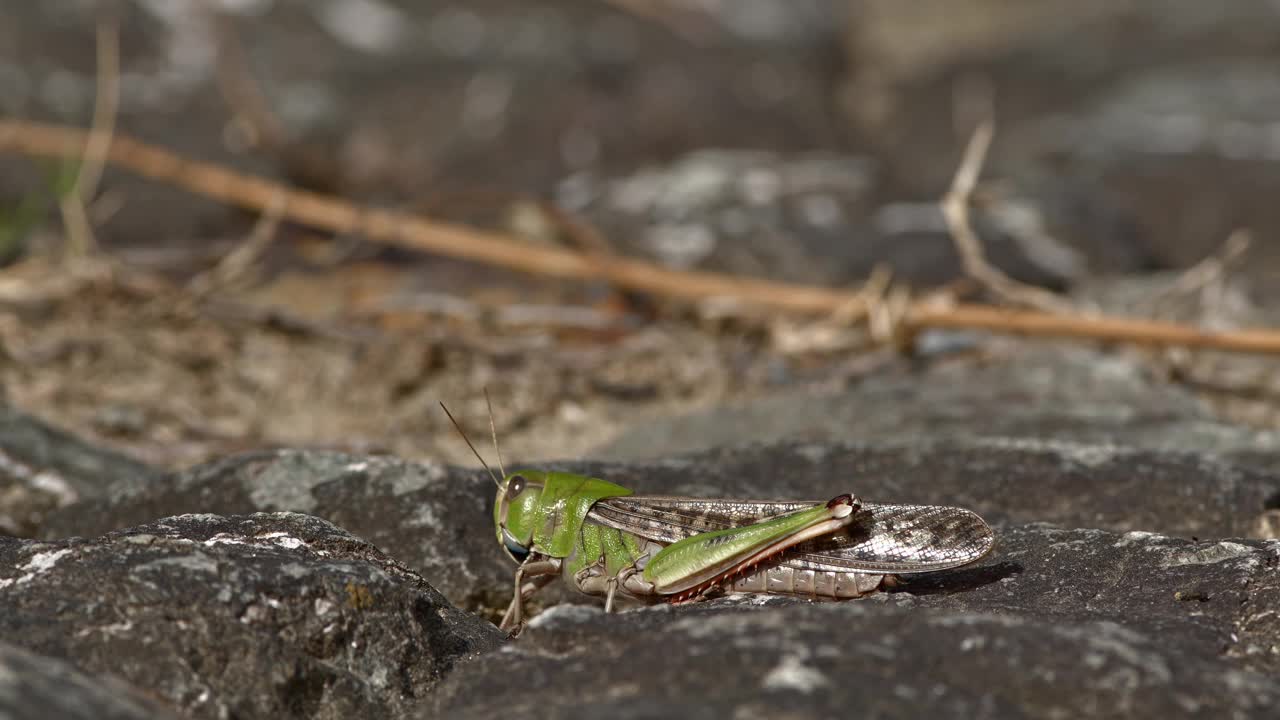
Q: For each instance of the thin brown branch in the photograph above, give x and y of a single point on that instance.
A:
(404, 230)
(1088, 327)
(955, 209)
(336, 215)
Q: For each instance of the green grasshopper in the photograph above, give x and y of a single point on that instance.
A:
(604, 541)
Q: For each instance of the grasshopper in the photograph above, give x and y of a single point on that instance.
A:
(604, 541)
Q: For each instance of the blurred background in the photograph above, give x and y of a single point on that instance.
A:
(806, 141)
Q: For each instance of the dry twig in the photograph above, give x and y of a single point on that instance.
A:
(336, 215)
(233, 266)
(106, 103)
(1205, 273)
(955, 208)
(1107, 329)
(404, 230)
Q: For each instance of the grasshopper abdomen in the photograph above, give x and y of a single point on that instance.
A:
(817, 584)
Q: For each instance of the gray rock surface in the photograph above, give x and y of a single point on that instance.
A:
(732, 147)
(1113, 620)
(1009, 480)
(400, 101)
(438, 520)
(731, 210)
(1061, 623)
(435, 519)
(43, 468)
(411, 101)
(1098, 104)
(1121, 584)
(268, 615)
(1056, 392)
(33, 687)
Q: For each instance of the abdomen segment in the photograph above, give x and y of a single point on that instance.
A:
(786, 580)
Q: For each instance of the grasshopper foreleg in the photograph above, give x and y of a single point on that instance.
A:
(540, 571)
(534, 585)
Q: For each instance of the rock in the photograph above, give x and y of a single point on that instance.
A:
(1040, 393)
(1147, 135)
(607, 105)
(43, 468)
(1238, 388)
(452, 95)
(1112, 155)
(438, 520)
(266, 615)
(1059, 623)
(1006, 480)
(1081, 609)
(727, 210)
(36, 688)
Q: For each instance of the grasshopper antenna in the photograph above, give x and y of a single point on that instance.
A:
(467, 440)
(494, 430)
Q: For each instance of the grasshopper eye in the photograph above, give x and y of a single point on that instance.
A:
(515, 487)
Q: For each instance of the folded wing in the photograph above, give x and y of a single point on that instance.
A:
(892, 539)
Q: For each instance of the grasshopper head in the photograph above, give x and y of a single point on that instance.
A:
(515, 509)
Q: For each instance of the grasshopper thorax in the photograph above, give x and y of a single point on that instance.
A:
(542, 512)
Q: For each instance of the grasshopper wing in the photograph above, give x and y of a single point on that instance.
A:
(892, 539)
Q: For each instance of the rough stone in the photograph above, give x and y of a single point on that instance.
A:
(386, 99)
(1006, 480)
(1053, 393)
(1124, 584)
(728, 210)
(38, 688)
(1059, 623)
(435, 519)
(1182, 95)
(438, 520)
(267, 615)
(610, 106)
(43, 468)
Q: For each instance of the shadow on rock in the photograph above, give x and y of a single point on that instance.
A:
(956, 581)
